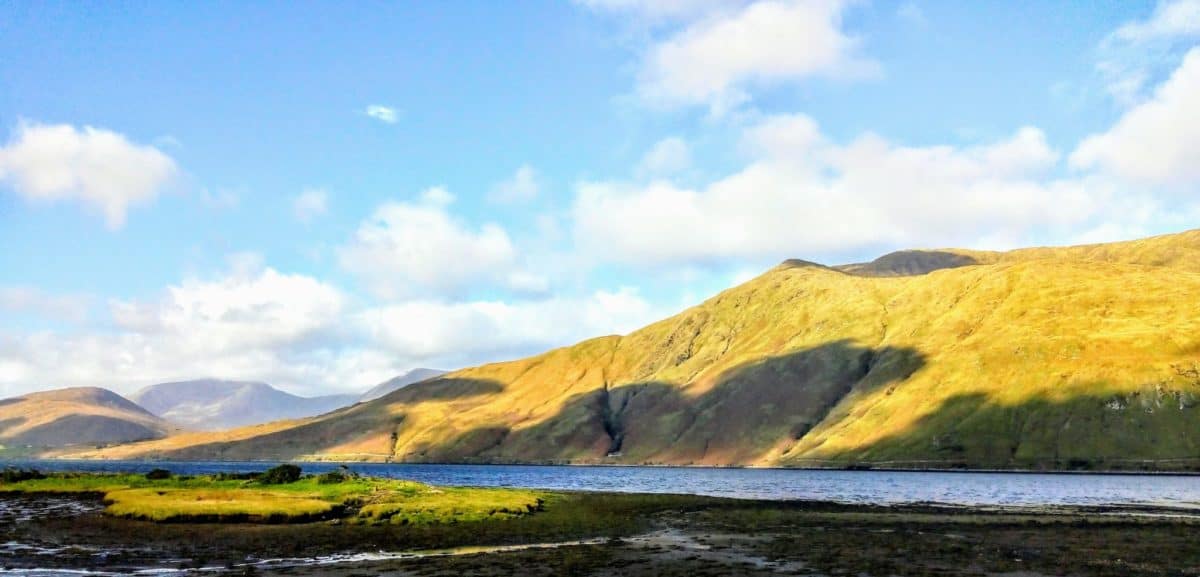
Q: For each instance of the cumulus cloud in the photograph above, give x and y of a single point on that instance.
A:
(407, 249)
(310, 204)
(242, 311)
(384, 114)
(803, 195)
(714, 59)
(468, 332)
(522, 186)
(1156, 142)
(252, 322)
(97, 167)
(291, 330)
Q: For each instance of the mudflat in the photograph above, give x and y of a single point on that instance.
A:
(618, 534)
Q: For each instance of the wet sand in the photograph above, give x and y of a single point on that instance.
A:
(621, 535)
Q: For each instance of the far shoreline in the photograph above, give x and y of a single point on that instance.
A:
(866, 468)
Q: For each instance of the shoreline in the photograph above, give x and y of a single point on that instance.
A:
(619, 534)
(848, 468)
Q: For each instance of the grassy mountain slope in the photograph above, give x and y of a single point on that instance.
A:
(1058, 357)
(76, 416)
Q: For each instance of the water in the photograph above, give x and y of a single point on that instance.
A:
(860, 487)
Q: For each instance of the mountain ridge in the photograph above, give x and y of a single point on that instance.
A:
(210, 404)
(1037, 358)
(75, 416)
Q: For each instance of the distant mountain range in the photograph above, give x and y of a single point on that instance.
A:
(91, 416)
(1054, 358)
(77, 416)
(211, 404)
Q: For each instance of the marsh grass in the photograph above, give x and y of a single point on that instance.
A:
(219, 499)
(218, 505)
(453, 505)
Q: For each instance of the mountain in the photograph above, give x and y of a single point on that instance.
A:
(1064, 357)
(78, 416)
(396, 383)
(210, 404)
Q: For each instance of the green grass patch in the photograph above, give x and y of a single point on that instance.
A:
(452, 505)
(217, 505)
(222, 499)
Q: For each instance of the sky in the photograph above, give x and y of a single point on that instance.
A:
(324, 196)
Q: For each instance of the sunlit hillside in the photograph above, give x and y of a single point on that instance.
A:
(76, 416)
(1079, 357)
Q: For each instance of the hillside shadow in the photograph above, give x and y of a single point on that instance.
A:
(370, 425)
(909, 263)
(443, 389)
(84, 430)
(6, 424)
(740, 413)
(1085, 432)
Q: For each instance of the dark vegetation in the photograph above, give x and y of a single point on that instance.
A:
(336, 476)
(158, 475)
(280, 475)
(13, 475)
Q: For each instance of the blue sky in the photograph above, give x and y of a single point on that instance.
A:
(322, 198)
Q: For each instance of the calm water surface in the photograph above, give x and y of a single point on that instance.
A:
(870, 487)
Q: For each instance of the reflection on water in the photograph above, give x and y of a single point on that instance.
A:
(865, 487)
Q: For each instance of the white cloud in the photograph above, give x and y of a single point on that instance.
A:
(437, 196)
(407, 249)
(252, 323)
(713, 60)
(469, 332)
(384, 114)
(522, 186)
(805, 196)
(1156, 142)
(94, 166)
(294, 331)
(310, 204)
(1170, 19)
(1124, 83)
(245, 310)
(1142, 50)
(29, 300)
(668, 156)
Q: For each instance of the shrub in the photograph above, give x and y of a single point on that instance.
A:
(158, 475)
(280, 475)
(332, 478)
(18, 475)
(340, 475)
